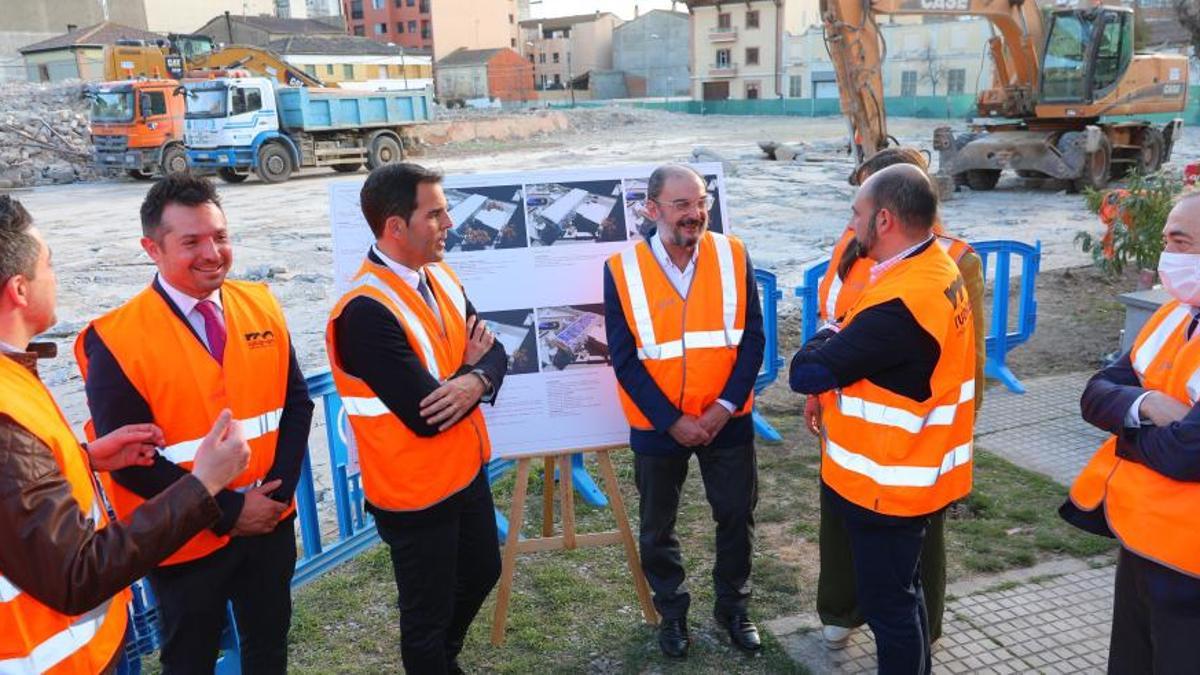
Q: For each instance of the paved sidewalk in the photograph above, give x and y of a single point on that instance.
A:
(1052, 618)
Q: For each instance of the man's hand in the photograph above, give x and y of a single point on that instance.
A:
(260, 514)
(131, 445)
(1161, 409)
(714, 419)
(449, 402)
(812, 415)
(479, 340)
(222, 455)
(688, 432)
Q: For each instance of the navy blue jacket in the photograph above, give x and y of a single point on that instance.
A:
(654, 404)
(114, 402)
(1169, 450)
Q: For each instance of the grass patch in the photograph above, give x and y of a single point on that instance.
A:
(577, 611)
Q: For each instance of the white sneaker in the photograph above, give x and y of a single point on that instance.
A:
(836, 637)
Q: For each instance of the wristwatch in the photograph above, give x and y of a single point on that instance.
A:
(487, 381)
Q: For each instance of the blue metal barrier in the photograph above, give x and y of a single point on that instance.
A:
(769, 296)
(1000, 339)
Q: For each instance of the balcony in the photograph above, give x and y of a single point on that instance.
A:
(722, 34)
(722, 70)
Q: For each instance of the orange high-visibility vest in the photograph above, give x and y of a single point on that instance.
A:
(402, 471)
(1153, 516)
(889, 453)
(835, 295)
(33, 637)
(186, 388)
(688, 345)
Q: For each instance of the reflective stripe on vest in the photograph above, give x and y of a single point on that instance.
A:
(878, 413)
(252, 428)
(451, 287)
(410, 320)
(644, 323)
(835, 287)
(362, 406)
(898, 476)
(1145, 352)
(60, 645)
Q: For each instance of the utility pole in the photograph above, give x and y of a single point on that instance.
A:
(570, 78)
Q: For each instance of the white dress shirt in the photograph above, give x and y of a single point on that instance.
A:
(879, 268)
(186, 305)
(409, 276)
(6, 348)
(681, 279)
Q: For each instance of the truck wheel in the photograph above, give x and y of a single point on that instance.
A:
(347, 168)
(174, 161)
(1096, 168)
(138, 174)
(983, 179)
(230, 176)
(1150, 158)
(384, 150)
(274, 163)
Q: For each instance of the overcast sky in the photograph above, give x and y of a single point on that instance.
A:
(622, 8)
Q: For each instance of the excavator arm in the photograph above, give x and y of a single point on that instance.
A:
(857, 50)
(259, 61)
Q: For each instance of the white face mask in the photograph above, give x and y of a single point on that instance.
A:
(1180, 274)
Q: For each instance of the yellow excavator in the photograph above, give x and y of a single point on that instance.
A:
(1060, 72)
(182, 55)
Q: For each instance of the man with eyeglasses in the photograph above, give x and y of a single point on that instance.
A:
(686, 338)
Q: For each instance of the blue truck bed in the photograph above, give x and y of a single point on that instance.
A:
(306, 109)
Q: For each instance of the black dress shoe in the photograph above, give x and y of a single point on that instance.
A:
(742, 632)
(673, 637)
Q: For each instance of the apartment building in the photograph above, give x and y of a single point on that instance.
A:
(738, 47)
(441, 26)
(652, 51)
(565, 47)
(356, 63)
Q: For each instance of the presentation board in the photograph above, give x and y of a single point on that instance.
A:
(529, 249)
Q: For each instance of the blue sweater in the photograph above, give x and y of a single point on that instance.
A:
(654, 404)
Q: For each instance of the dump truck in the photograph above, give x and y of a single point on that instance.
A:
(242, 125)
(1065, 73)
(137, 127)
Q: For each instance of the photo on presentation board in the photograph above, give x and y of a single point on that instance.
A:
(572, 336)
(580, 212)
(515, 329)
(486, 218)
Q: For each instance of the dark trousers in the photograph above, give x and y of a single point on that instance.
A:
(837, 594)
(446, 560)
(731, 485)
(887, 554)
(1156, 619)
(255, 573)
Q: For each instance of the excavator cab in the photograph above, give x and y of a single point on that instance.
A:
(1087, 52)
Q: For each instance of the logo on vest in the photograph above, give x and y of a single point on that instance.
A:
(260, 340)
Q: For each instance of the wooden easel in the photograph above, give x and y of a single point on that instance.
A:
(569, 539)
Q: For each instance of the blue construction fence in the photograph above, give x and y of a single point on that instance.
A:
(928, 107)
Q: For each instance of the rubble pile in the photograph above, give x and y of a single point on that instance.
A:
(44, 135)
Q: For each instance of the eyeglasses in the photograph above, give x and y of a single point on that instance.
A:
(705, 203)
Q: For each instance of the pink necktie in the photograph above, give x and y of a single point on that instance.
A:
(214, 330)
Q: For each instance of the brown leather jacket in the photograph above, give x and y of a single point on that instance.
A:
(48, 548)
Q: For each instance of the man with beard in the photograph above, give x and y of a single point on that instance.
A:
(187, 346)
(686, 338)
(896, 434)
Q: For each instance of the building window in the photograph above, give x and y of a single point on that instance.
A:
(328, 68)
(752, 18)
(752, 56)
(795, 83)
(360, 31)
(376, 4)
(381, 29)
(399, 27)
(410, 3)
(908, 83)
(356, 9)
(311, 69)
(555, 59)
(399, 3)
(723, 21)
(347, 71)
(423, 7)
(542, 57)
(531, 57)
(512, 42)
(723, 58)
(425, 29)
(752, 90)
(956, 81)
(412, 26)
(557, 80)
(510, 19)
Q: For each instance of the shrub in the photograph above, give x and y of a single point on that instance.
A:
(1133, 218)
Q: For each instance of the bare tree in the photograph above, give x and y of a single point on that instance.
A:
(1189, 17)
(935, 71)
